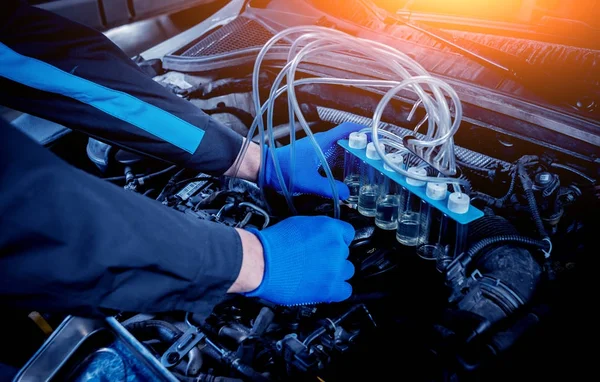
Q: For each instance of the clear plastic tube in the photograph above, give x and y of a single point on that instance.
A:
(429, 80)
(258, 122)
(312, 47)
(270, 111)
(404, 74)
(292, 118)
(321, 40)
(391, 138)
(294, 105)
(388, 97)
(441, 140)
(297, 112)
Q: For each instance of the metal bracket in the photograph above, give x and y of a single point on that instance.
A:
(476, 275)
(182, 347)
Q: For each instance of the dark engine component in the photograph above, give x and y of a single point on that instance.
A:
(443, 321)
(163, 333)
(304, 338)
(457, 316)
(506, 280)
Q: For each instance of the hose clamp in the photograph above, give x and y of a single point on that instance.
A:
(476, 275)
(260, 211)
(547, 252)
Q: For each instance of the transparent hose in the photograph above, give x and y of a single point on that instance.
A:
(319, 41)
(259, 123)
(446, 133)
(287, 190)
(311, 48)
(344, 82)
(443, 139)
(392, 142)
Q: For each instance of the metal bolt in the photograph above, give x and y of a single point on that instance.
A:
(173, 358)
(543, 178)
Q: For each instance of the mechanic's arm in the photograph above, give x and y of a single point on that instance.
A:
(68, 73)
(71, 242)
(73, 75)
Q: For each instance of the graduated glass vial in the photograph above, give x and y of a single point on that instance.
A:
(409, 215)
(352, 165)
(388, 202)
(371, 182)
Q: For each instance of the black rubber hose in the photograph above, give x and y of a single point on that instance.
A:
(166, 333)
(487, 199)
(249, 372)
(574, 171)
(114, 179)
(528, 188)
(154, 329)
(511, 189)
(246, 118)
(230, 359)
(145, 177)
(212, 353)
(504, 239)
(159, 173)
(498, 202)
(535, 213)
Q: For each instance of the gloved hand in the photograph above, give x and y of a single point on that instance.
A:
(305, 261)
(307, 178)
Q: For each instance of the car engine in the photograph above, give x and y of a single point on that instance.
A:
(445, 317)
(472, 311)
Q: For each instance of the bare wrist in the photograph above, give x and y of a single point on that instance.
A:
(249, 166)
(253, 264)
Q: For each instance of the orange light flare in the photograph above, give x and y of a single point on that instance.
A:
(526, 11)
(489, 9)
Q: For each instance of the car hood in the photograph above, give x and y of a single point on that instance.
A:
(549, 91)
(523, 39)
(562, 20)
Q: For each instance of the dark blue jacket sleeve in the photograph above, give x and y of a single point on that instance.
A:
(70, 242)
(65, 72)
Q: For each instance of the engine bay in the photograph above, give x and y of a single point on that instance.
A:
(497, 291)
(443, 319)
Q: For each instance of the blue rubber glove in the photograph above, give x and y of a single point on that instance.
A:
(307, 179)
(305, 261)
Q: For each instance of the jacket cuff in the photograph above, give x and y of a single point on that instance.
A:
(218, 151)
(219, 268)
